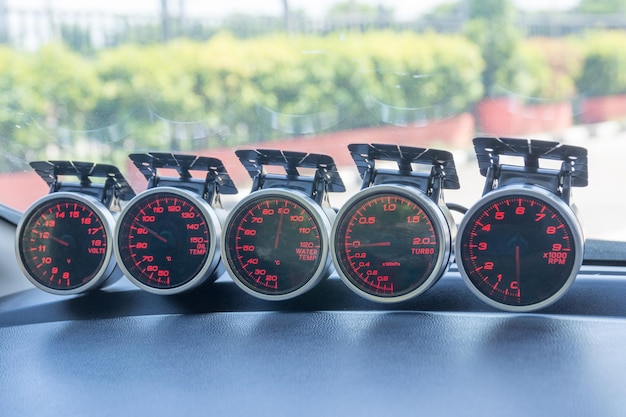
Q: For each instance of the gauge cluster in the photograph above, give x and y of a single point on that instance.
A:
(518, 248)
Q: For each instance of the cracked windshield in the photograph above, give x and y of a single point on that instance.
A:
(97, 81)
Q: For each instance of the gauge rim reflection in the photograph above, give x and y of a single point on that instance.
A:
(551, 200)
(443, 226)
(319, 215)
(105, 274)
(212, 258)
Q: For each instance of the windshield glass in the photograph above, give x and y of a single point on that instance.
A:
(99, 80)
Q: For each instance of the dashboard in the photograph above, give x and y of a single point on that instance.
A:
(286, 301)
(218, 350)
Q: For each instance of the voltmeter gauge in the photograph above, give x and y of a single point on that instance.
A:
(276, 240)
(167, 237)
(392, 240)
(64, 240)
(521, 246)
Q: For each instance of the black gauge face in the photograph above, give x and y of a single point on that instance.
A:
(163, 240)
(386, 245)
(274, 245)
(518, 250)
(63, 243)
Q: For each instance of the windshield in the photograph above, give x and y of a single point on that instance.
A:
(98, 81)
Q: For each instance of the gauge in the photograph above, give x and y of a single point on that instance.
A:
(390, 243)
(167, 240)
(276, 243)
(520, 248)
(64, 243)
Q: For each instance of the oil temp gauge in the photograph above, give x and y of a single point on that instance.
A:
(167, 237)
(392, 240)
(64, 240)
(276, 240)
(521, 246)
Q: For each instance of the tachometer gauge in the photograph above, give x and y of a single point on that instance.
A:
(167, 237)
(521, 246)
(276, 240)
(392, 240)
(64, 240)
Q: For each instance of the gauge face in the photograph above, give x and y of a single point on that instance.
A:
(387, 245)
(275, 244)
(63, 243)
(519, 250)
(164, 240)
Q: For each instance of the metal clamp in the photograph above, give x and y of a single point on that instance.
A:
(573, 171)
(216, 182)
(325, 179)
(114, 189)
(439, 171)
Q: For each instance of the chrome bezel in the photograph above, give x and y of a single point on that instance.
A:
(549, 198)
(106, 273)
(319, 216)
(213, 251)
(441, 224)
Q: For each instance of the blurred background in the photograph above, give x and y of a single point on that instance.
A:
(97, 80)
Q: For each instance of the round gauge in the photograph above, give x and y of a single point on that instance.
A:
(167, 240)
(276, 244)
(390, 243)
(63, 243)
(520, 248)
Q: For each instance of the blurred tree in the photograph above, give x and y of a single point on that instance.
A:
(492, 28)
(357, 12)
(601, 6)
(4, 22)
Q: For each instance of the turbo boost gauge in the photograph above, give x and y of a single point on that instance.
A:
(520, 247)
(392, 240)
(64, 242)
(276, 239)
(167, 237)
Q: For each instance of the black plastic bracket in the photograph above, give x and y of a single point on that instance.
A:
(110, 192)
(573, 171)
(216, 182)
(325, 178)
(437, 167)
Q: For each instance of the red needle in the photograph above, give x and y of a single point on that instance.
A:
(280, 226)
(517, 263)
(365, 245)
(153, 233)
(59, 241)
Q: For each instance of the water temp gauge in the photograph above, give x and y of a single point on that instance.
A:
(392, 240)
(521, 246)
(276, 240)
(167, 237)
(64, 240)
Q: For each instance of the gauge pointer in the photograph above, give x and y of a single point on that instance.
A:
(153, 233)
(280, 226)
(373, 244)
(59, 241)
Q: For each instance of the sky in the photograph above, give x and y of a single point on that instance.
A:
(218, 8)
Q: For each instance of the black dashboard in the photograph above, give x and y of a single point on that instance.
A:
(219, 351)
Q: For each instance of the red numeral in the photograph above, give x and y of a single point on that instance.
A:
(367, 220)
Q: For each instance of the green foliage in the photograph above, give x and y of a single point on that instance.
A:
(601, 6)
(234, 91)
(604, 66)
(553, 64)
(494, 10)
